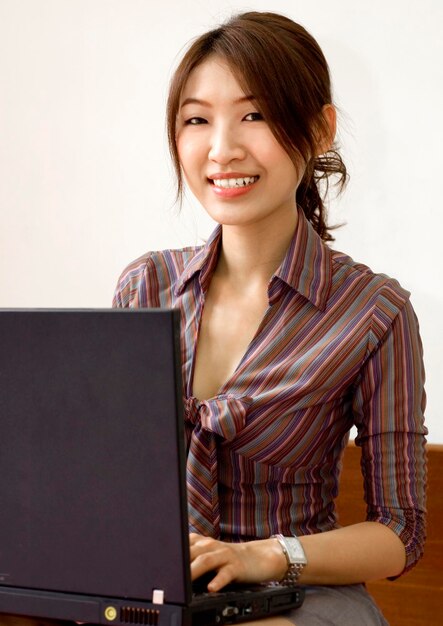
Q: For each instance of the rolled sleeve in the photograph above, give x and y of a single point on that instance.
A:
(388, 407)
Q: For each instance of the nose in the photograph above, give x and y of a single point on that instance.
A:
(225, 146)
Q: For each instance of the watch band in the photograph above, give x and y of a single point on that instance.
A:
(296, 559)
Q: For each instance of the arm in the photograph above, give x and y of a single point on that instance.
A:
(357, 553)
(388, 408)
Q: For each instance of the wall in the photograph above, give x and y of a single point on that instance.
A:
(85, 182)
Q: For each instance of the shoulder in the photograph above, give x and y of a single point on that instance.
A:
(379, 295)
(145, 279)
(382, 286)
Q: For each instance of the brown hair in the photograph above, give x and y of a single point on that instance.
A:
(282, 65)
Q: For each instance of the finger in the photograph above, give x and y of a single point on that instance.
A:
(224, 576)
(206, 562)
(222, 561)
(195, 538)
(203, 545)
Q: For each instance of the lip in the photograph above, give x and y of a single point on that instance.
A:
(234, 192)
(220, 175)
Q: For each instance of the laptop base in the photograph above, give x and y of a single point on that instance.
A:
(230, 608)
(55, 605)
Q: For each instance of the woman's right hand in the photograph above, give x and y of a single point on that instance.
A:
(256, 561)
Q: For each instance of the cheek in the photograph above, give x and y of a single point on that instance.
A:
(181, 151)
(191, 163)
(269, 151)
(284, 166)
(190, 153)
(281, 166)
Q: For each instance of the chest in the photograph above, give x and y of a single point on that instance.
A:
(289, 355)
(292, 364)
(229, 322)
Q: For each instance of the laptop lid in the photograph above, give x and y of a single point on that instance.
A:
(86, 396)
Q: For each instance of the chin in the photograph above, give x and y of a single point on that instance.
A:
(231, 215)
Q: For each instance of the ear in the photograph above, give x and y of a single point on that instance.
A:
(327, 129)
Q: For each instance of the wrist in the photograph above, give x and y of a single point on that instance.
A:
(295, 557)
(280, 563)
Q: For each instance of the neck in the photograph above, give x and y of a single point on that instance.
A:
(252, 253)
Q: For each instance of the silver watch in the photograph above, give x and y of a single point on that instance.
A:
(295, 557)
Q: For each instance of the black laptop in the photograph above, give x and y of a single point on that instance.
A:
(93, 515)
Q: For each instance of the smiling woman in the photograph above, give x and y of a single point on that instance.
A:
(300, 115)
(286, 343)
(218, 127)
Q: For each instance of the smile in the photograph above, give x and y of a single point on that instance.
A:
(234, 183)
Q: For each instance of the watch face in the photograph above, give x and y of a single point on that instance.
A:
(295, 551)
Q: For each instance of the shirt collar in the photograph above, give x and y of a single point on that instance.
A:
(306, 268)
(203, 262)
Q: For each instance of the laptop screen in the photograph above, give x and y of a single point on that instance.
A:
(92, 492)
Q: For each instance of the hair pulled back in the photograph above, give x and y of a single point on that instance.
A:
(282, 65)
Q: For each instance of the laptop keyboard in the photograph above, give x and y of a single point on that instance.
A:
(200, 585)
(200, 588)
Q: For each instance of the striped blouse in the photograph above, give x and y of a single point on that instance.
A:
(338, 346)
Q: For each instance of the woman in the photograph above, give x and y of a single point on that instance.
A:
(286, 343)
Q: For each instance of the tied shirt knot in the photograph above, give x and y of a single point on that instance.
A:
(207, 422)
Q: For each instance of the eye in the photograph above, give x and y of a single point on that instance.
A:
(253, 117)
(195, 121)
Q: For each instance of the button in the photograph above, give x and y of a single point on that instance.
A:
(110, 613)
(228, 611)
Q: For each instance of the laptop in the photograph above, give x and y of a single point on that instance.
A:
(93, 513)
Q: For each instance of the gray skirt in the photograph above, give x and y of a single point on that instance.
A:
(346, 605)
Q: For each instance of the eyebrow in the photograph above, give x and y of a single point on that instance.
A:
(208, 104)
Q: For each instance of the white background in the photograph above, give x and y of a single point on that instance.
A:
(85, 181)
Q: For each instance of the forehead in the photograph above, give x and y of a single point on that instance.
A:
(213, 79)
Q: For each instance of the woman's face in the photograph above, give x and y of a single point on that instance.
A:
(230, 159)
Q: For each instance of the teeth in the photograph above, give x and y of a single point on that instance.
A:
(230, 183)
